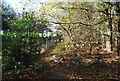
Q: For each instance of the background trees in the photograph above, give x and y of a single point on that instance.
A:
(112, 14)
(85, 23)
(85, 30)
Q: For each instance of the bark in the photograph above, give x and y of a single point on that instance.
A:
(108, 13)
(118, 17)
(118, 37)
(111, 32)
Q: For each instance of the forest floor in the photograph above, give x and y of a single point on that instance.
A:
(67, 70)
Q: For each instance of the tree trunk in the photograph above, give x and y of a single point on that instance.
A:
(111, 33)
(118, 39)
(118, 16)
(108, 13)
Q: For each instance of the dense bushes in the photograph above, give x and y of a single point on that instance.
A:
(21, 44)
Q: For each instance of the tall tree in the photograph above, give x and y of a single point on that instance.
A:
(81, 22)
(7, 14)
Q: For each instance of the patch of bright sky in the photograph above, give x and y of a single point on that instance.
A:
(14, 4)
(18, 5)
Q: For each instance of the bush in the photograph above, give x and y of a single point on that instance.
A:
(21, 44)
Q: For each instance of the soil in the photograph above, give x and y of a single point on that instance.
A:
(100, 71)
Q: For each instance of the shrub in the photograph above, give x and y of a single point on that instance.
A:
(21, 44)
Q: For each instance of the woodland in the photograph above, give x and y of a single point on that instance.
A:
(61, 40)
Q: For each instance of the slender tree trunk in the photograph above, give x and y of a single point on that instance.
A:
(118, 17)
(118, 39)
(108, 13)
(111, 33)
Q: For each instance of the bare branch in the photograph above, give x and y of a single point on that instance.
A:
(72, 23)
(99, 22)
(75, 8)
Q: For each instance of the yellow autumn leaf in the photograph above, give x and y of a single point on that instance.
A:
(8, 17)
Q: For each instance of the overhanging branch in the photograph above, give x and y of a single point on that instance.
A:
(99, 22)
(81, 23)
(74, 8)
(72, 23)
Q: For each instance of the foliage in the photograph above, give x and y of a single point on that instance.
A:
(85, 28)
(7, 14)
(84, 23)
(21, 44)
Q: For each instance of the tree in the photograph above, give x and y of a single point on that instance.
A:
(81, 23)
(112, 12)
(21, 44)
(7, 14)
